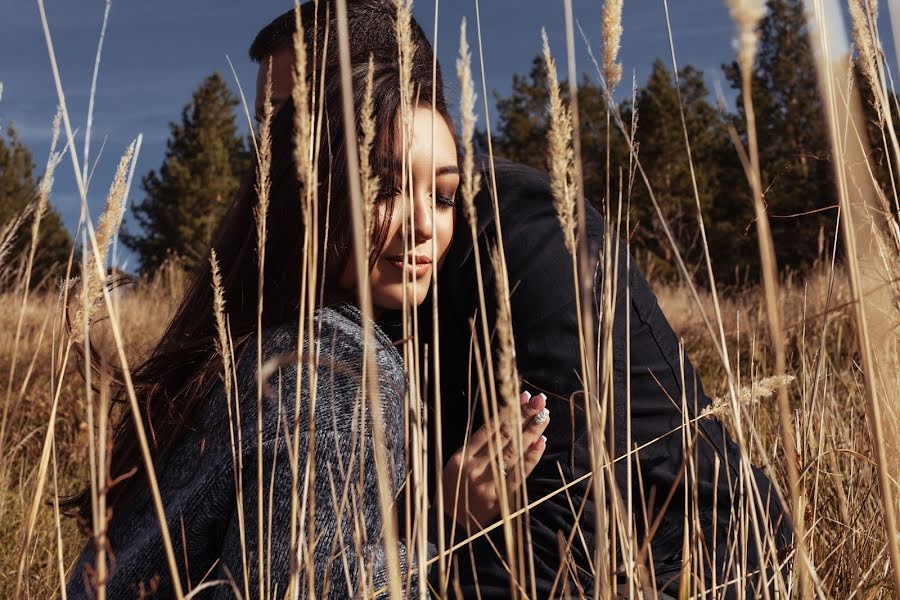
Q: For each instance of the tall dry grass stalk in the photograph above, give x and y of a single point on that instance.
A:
(564, 187)
(43, 201)
(872, 263)
(260, 212)
(107, 226)
(365, 302)
(870, 56)
(747, 15)
(505, 375)
(434, 366)
(301, 539)
(90, 113)
(120, 350)
(489, 390)
(300, 95)
(734, 399)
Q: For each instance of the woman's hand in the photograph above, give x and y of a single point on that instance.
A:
(471, 479)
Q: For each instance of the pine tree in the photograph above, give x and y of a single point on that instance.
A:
(794, 148)
(521, 132)
(205, 159)
(662, 153)
(18, 189)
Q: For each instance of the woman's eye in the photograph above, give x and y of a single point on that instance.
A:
(389, 192)
(446, 200)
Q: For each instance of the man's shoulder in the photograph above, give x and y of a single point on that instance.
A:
(511, 175)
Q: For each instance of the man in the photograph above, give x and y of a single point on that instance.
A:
(546, 337)
(545, 326)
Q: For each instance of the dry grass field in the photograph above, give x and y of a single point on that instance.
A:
(846, 537)
(806, 370)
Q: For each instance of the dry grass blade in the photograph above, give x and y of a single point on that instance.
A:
(219, 309)
(260, 212)
(507, 373)
(747, 15)
(875, 304)
(365, 302)
(723, 410)
(43, 201)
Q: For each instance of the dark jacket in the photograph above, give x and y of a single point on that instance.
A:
(547, 351)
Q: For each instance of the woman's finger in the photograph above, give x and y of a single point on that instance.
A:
(532, 406)
(534, 412)
(478, 441)
(533, 454)
(532, 433)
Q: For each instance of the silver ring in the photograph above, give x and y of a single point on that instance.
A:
(541, 416)
(504, 467)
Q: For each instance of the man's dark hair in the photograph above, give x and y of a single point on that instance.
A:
(370, 24)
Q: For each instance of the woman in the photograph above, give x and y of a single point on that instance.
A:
(206, 443)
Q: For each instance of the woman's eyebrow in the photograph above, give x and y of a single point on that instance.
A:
(447, 170)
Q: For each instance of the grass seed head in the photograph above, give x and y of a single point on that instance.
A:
(747, 14)
(471, 180)
(863, 14)
(612, 37)
(368, 180)
(560, 152)
(107, 226)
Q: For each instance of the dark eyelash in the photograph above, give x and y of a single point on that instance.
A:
(446, 200)
(389, 192)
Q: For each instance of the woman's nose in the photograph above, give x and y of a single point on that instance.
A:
(422, 217)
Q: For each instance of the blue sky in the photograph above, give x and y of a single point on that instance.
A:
(156, 52)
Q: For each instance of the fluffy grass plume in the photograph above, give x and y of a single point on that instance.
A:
(746, 396)
(561, 156)
(746, 14)
(10, 229)
(107, 226)
(863, 14)
(300, 98)
(368, 179)
(612, 36)
(471, 180)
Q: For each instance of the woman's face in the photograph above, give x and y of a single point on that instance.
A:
(430, 232)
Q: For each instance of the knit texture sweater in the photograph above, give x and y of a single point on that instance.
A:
(337, 480)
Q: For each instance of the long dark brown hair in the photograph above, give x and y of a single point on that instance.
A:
(173, 381)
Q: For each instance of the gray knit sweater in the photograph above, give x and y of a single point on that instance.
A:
(198, 481)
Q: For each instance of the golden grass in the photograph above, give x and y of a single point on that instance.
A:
(846, 534)
(826, 441)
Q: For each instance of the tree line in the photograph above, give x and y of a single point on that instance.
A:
(795, 155)
(206, 157)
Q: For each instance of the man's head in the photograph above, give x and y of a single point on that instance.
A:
(371, 27)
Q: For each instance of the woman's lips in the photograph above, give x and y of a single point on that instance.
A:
(419, 267)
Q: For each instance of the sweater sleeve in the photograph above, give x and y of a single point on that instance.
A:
(338, 516)
(349, 557)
